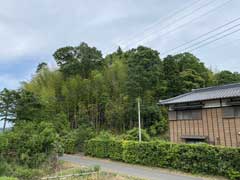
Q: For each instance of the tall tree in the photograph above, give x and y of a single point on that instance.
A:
(78, 60)
(185, 72)
(171, 75)
(145, 76)
(8, 99)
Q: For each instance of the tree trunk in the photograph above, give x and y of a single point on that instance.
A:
(4, 125)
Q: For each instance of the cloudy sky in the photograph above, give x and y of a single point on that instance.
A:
(31, 30)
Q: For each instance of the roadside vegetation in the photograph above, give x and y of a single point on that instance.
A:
(91, 96)
(190, 158)
(70, 171)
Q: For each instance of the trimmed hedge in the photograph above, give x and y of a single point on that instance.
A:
(104, 149)
(8, 178)
(194, 158)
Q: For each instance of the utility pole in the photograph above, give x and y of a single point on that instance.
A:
(139, 121)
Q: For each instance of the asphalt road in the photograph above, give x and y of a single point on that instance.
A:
(128, 169)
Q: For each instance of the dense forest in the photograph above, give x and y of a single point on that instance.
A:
(101, 92)
(88, 96)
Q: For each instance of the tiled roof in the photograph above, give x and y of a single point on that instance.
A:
(210, 93)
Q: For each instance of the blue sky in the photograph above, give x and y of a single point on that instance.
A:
(31, 30)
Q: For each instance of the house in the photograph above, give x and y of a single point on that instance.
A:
(210, 115)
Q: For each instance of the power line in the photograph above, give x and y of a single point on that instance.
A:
(203, 35)
(159, 21)
(196, 18)
(176, 20)
(163, 19)
(206, 39)
(221, 37)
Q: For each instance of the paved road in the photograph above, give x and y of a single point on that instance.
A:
(127, 169)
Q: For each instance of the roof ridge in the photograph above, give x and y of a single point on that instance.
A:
(204, 91)
(218, 86)
(176, 97)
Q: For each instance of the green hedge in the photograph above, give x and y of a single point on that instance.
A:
(194, 158)
(104, 149)
(8, 178)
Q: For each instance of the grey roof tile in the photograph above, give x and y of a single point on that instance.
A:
(210, 93)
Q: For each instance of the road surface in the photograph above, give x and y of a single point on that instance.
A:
(128, 169)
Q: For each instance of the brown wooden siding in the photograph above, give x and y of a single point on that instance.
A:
(218, 130)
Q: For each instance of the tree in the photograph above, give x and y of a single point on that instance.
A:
(145, 80)
(41, 66)
(78, 60)
(190, 80)
(184, 72)
(28, 107)
(226, 77)
(144, 70)
(171, 75)
(8, 100)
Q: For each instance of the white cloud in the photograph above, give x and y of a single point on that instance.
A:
(37, 28)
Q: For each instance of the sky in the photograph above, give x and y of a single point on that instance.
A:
(31, 30)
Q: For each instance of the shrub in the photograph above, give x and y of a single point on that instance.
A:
(26, 174)
(69, 142)
(133, 135)
(234, 175)
(31, 144)
(97, 148)
(8, 178)
(104, 148)
(83, 133)
(105, 135)
(115, 150)
(194, 158)
(74, 140)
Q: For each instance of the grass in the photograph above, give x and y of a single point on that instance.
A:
(67, 168)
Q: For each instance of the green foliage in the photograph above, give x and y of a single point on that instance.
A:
(26, 174)
(133, 135)
(104, 135)
(74, 140)
(78, 60)
(41, 66)
(234, 175)
(97, 148)
(90, 93)
(104, 148)
(7, 106)
(69, 142)
(83, 133)
(101, 92)
(196, 158)
(226, 77)
(60, 123)
(28, 107)
(31, 144)
(184, 72)
(8, 178)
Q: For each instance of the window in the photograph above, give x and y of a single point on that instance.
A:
(189, 114)
(237, 111)
(172, 115)
(194, 139)
(196, 114)
(179, 115)
(228, 112)
(231, 112)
